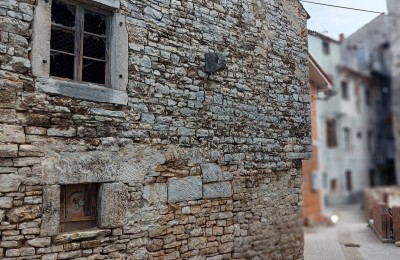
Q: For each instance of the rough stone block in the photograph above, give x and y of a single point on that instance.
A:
(184, 189)
(62, 132)
(110, 113)
(2, 216)
(51, 210)
(9, 182)
(79, 235)
(113, 205)
(212, 173)
(217, 190)
(26, 161)
(155, 193)
(39, 242)
(9, 150)
(11, 134)
(24, 213)
(32, 130)
(6, 202)
(30, 150)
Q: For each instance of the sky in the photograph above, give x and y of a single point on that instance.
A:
(333, 21)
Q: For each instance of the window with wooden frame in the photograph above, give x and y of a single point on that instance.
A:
(326, 48)
(79, 43)
(345, 90)
(331, 139)
(347, 138)
(78, 207)
(349, 181)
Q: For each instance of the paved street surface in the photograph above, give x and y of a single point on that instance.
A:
(327, 242)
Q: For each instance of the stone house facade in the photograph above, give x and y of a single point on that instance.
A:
(115, 144)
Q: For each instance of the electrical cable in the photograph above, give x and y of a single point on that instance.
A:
(343, 7)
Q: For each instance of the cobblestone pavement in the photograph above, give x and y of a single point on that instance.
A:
(328, 242)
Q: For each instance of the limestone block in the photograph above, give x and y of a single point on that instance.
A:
(211, 172)
(30, 150)
(9, 150)
(155, 193)
(26, 161)
(153, 13)
(32, 130)
(80, 235)
(51, 210)
(138, 162)
(6, 202)
(85, 91)
(27, 251)
(9, 182)
(62, 132)
(217, 190)
(113, 205)
(184, 189)
(24, 213)
(104, 112)
(39, 242)
(81, 167)
(11, 134)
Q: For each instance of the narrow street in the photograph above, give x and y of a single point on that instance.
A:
(328, 242)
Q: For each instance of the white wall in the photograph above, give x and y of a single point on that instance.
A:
(336, 161)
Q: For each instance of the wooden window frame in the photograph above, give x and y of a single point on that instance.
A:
(80, 220)
(326, 48)
(349, 181)
(78, 42)
(345, 90)
(331, 137)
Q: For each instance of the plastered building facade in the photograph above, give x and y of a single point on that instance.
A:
(115, 144)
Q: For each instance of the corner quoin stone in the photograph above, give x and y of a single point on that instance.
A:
(113, 205)
(185, 189)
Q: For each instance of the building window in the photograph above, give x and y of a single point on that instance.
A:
(347, 138)
(372, 178)
(349, 181)
(79, 44)
(333, 185)
(345, 90)
(326, 47)
(83, 52)
(367, 97)
(369, 140)
(331, 140)
(78, 207)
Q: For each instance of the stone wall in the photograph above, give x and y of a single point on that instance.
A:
(193, 166)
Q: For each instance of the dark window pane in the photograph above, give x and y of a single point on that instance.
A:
(61, 65)
(62, 40)
(94, 47)
(93, 71)
(95, 23)
(62, 14)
